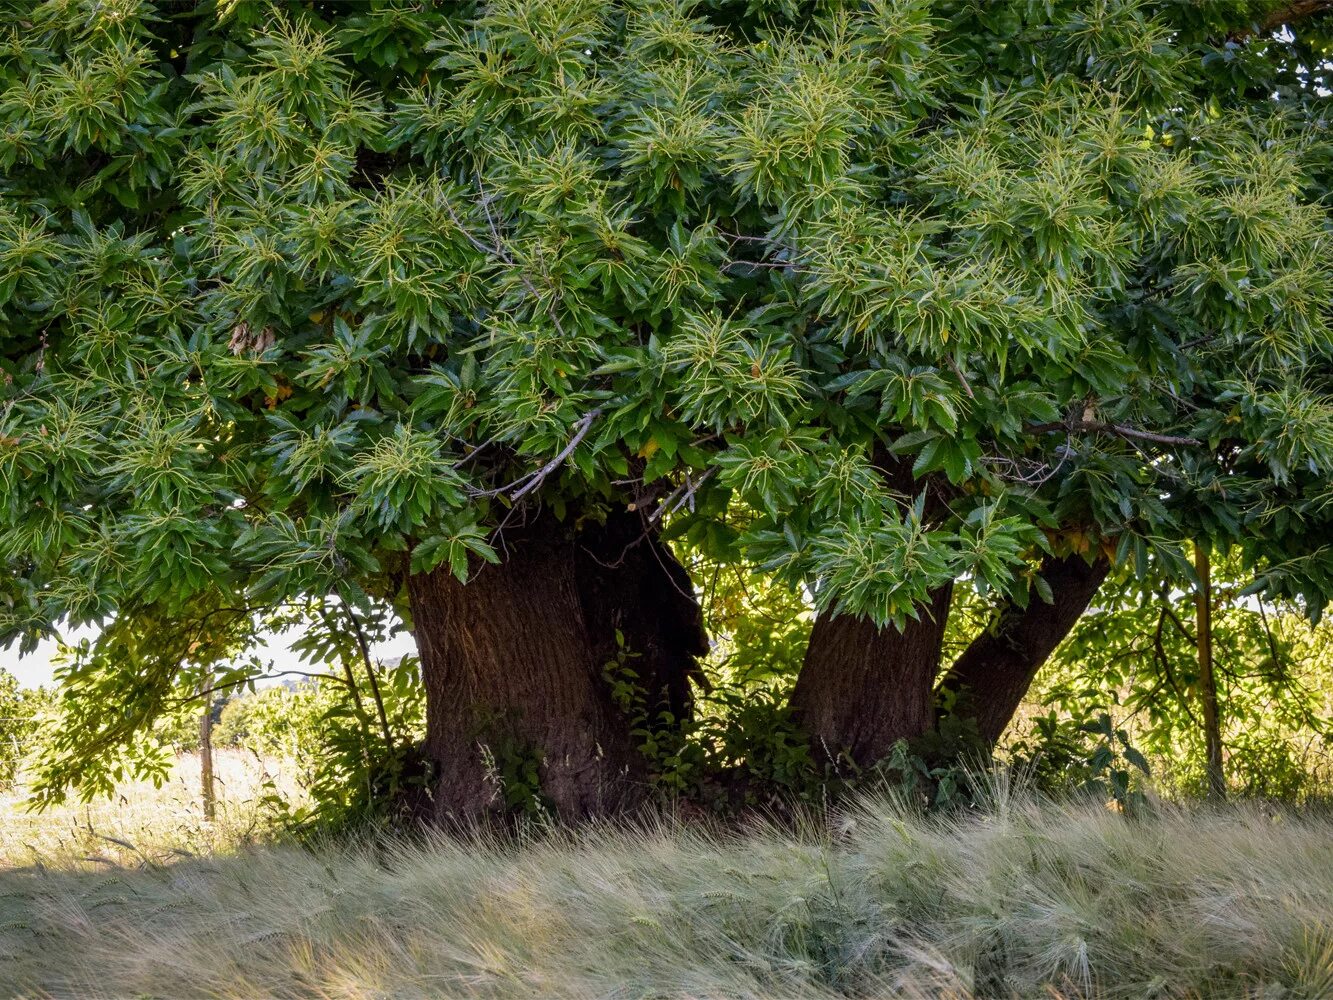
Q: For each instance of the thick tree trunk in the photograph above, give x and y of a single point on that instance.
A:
(513, 663)
(988, 681)
(862, 689)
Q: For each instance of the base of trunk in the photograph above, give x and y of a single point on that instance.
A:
(513, 662)
(862, 689)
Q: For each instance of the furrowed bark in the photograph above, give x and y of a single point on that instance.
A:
(862, 689)
(513, 663)
(988, 681)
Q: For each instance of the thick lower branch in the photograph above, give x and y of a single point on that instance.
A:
(988, 681)
(1298, 10)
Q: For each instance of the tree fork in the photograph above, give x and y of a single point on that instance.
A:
(631, 583)
(988, 681)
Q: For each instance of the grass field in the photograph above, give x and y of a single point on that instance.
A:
(143, 825)
(1027, 900)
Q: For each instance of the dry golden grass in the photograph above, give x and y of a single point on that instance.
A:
(142, 823)
(1028, 899)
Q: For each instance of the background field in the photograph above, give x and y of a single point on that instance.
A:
(144, 825)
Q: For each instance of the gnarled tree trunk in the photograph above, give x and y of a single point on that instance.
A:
(513, 662)
(988, 681)
(862, 688)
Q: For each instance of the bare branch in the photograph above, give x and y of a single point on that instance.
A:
(967, 386)
(1118, 430)
(1298, 10)
(539, 477)
(231, 685)
(680, 496)
(774, 265)
(1029, 472)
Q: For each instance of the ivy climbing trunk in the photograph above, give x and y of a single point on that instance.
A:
(861, 689)
(514, 664)
(988, 681)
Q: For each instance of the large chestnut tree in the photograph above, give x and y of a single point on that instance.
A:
(471, 308)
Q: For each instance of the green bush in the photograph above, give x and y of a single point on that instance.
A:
(356, 765)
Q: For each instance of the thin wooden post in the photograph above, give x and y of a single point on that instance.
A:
(1212, 733)
(206, 760)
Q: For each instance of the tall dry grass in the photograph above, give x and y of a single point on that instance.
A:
(1028, 899)
(146, 824)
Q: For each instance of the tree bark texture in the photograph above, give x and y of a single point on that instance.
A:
(988, 681)
(513, 662)
(862, 689)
